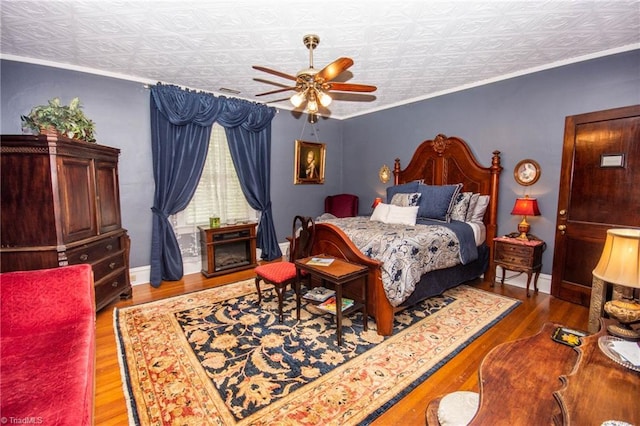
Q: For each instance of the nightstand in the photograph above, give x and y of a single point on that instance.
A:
(519, 255)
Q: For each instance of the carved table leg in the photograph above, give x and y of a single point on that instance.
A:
(528, 282)
(535, 281)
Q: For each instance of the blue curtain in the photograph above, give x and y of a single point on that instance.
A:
(250, 148)
(180, 130)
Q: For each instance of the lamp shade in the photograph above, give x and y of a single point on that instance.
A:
(526, 207)
(620, 260)
(376, 201)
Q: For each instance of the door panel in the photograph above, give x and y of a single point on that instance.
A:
(593, 198)
(108, 196)
(77, 195)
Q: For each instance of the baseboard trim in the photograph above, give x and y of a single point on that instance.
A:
(520, 280)
(142, 274)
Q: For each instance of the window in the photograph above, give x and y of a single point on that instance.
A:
(218, 194)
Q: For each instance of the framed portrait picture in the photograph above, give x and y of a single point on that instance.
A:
(309, 162)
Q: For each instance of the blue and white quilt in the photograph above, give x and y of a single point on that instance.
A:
(408, 252)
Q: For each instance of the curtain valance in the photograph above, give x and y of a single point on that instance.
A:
(180, 107)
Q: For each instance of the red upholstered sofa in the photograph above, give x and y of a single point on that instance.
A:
(47, 365)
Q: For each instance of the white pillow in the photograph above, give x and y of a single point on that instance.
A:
(481, 207)
(402, 215)
(380, 213)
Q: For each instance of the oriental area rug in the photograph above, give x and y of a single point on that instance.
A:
(216, 357)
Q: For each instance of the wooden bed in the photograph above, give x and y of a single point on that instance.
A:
(443, 160)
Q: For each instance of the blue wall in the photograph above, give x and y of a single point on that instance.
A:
(120, 109)
(522, 117)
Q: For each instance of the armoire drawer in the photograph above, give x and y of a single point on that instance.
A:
(91, 253)
(110, 286)
(108, 265)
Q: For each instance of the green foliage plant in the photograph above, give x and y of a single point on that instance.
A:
(68, 120)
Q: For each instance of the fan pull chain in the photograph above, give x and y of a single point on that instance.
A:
(314, 131)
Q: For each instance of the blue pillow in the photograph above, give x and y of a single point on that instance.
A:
(437, 201)
(405, 188)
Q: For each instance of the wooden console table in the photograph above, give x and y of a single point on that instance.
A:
(539, 381)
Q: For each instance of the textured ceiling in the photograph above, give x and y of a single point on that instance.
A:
(410, 50)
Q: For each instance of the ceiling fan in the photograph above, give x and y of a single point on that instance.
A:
(312, 85)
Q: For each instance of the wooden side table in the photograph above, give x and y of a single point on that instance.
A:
(337, 275)
(519, 255)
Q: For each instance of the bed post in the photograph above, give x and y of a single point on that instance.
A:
(396, 172)
(492, 226)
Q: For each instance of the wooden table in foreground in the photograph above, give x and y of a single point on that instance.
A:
(337, 275)
(539, 381)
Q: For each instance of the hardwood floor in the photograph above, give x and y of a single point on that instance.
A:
(458, 374)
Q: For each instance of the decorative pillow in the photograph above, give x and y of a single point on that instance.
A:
(472, 206)
(405, 188)
(481, 207)
(461, 206)
(406, 200)
(458, 408)
(402, 215)
(437, 201)
(380, 213)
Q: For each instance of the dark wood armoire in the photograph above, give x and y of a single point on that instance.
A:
(61, 206)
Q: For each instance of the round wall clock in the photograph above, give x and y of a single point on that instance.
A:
(527, 172)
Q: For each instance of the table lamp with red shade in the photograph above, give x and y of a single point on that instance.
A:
(525, 207)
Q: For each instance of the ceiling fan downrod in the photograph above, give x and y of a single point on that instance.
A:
(311, 41)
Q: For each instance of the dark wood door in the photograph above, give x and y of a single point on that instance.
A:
(599, 190)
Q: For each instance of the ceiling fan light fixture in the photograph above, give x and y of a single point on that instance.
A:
(312, 106)
(313, 86)
(298, 99)
(325, 99)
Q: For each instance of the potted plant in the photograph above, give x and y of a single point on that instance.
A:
(68, 120)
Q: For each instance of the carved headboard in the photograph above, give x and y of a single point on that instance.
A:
(449, 160)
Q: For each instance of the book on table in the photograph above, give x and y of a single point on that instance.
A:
(330, 304)
(319, 261)
(319, 294)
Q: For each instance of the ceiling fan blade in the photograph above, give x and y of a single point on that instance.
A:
(274, 72)
(349, 87)
(334, 69)
(277, 91)
(352, 97)
(278, 100)
(262, 80)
